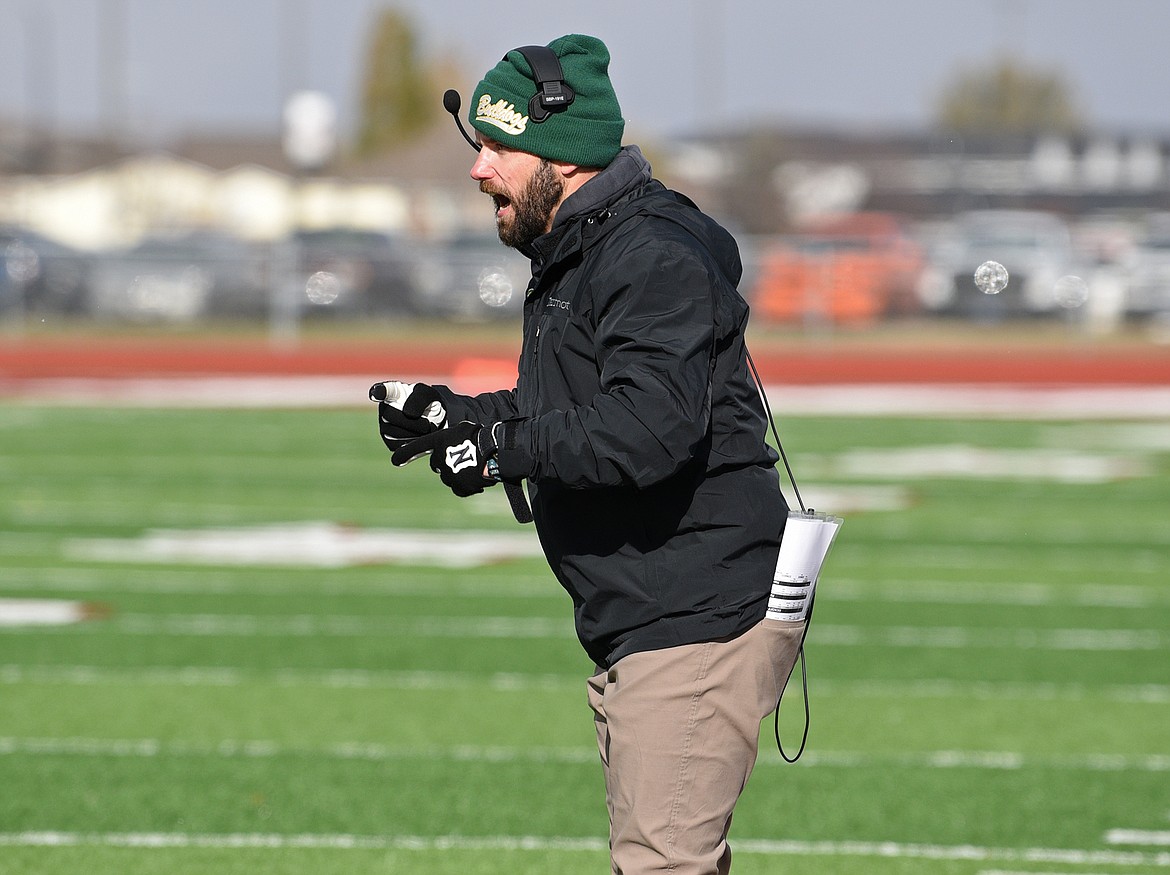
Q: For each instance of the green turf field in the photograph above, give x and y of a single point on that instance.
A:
(989, 658)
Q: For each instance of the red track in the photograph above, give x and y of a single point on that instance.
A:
(804, 364)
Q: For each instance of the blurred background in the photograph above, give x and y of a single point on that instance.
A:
(229, 632)
(282, 163)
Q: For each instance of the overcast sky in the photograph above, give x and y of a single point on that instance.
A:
(158, 68)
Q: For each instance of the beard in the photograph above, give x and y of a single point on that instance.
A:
(532, 207)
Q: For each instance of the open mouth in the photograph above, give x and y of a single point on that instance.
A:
(501, 201)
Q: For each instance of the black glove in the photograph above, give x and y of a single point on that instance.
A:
(458, 456)
(407, 411)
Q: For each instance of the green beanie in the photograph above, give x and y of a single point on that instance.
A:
(588, 132)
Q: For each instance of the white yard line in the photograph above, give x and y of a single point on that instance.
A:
(340, 626)
(334, 841)
(89, 675)
(47, 612)
(910, 399)
(988, 592)
(86, 675)
(266, 749)
(963, 638)
(590, 844)
(912, 464)
(1158, 838)
(108, 581)
(479, 626)
(314, 544)
(1036, 872)
(1142, 694)
(961, 400)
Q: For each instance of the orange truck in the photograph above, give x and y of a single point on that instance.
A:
(851, 269)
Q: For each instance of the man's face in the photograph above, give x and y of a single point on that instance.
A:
(525, 189)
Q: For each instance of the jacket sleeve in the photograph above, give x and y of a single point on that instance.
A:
(486, 409)
(654, 343)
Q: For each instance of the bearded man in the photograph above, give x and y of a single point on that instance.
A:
(640, 435)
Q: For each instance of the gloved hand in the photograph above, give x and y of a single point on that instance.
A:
(458, 455)
(407, 411)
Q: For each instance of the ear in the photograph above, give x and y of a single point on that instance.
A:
(576, 175)
(567, 170)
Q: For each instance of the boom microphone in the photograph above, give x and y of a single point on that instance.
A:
(451, 103)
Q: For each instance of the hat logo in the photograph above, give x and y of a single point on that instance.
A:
(501, 114)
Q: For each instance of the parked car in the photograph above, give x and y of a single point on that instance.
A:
(852, 268)
(347, 271)
(39, 275)
(1147, 274)
(1034, 247)
(177, 279)
(470, 277)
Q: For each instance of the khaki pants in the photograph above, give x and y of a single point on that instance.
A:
(678, 732)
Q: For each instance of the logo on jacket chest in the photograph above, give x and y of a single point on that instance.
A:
(557, 304)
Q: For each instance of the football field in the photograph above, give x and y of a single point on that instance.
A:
(237, 640)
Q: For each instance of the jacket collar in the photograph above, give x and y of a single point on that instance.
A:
(624, 176)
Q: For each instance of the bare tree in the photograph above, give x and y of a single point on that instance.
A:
(1008, 97)
(397, 91)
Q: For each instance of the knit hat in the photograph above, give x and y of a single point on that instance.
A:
(588, 132)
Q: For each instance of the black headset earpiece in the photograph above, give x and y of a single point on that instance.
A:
(552, 94)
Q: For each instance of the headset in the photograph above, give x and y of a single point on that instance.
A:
(552, 94)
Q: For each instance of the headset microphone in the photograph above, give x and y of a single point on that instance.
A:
(553, 94)
(451, 103)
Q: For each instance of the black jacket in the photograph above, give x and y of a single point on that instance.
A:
(636, 422)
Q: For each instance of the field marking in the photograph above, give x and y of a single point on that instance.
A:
(590, 844)
(1015, 401)
(86, 675)
(376, 752)
(318, 544)
(972, 462)
(1067, 554)
(1143, 551)
(186, 581)
(1159, 838)
(981, 401)
(1100, 595)
(334, 841)
(149, 748)
(48, 612)
(341, 626)
(226, 676)
(1144, 694)
(1149, 436)
(963, 637)
(840, 635)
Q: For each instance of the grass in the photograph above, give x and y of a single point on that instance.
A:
(990, 686)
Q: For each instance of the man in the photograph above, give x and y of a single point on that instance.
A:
(640, 434)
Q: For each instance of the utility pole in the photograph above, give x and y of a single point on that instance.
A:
(40, 88)
(112, 72)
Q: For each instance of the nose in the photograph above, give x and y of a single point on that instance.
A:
(482, 167)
